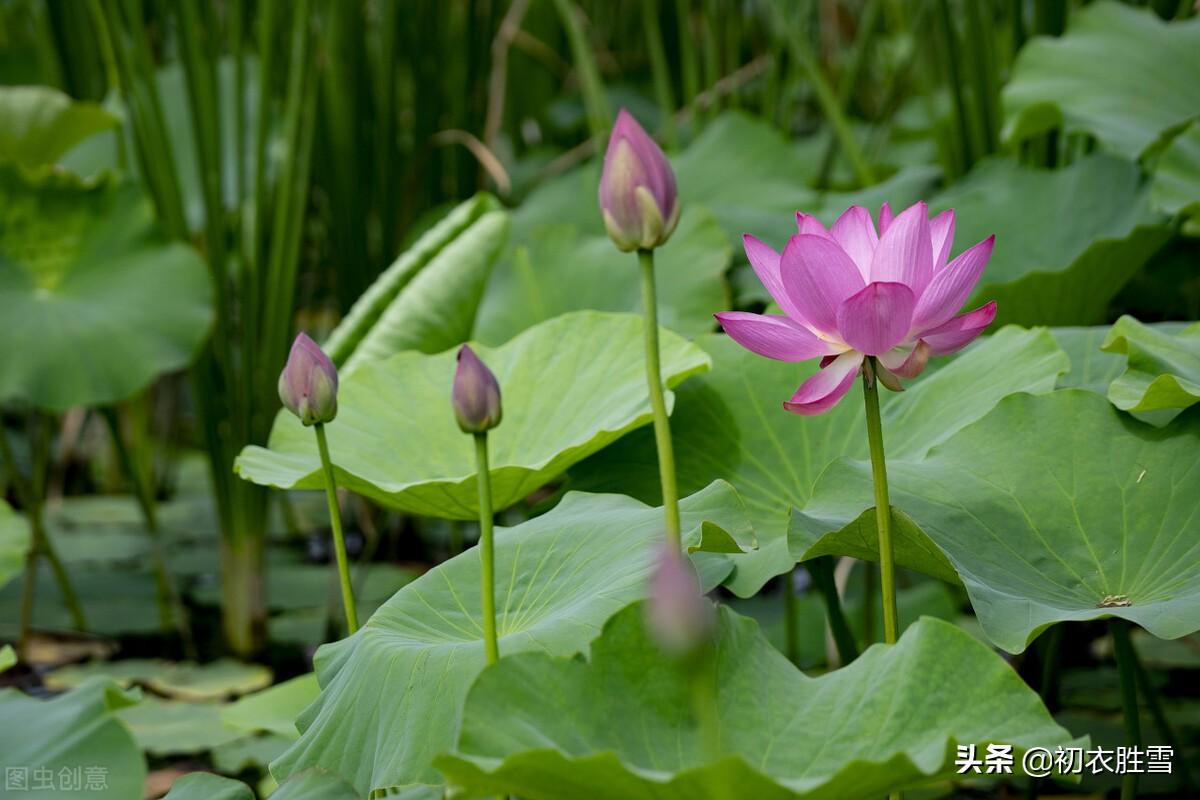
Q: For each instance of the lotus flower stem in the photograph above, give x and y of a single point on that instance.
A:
(1127, 668)
(821, 570)
(335, 522)
(487, 574)
(883, 506)
(31, 495)
(658, 402)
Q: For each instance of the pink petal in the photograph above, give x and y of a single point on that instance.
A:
(807, 223)
(906, 363)
(960, 331)
(772, 335)
(822, 391)
(941, 233)
(904, 254)
(818, 275)
(765, 262)
(885, 217)
(855, 232)
(951, 286)
(877, 318)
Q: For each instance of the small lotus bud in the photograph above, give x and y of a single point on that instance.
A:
(309, 382)
(637, 188)
(678, 615)
(476, 394)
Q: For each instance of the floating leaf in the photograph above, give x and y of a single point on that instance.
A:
(1162, 372)
(558, 577)
(539, 726)
(174, 727)
(76, 732)
(274, 709)
(571, 386)
(206, 786)
(559, 269)
(249, 752)
(1043, 272)
(14, 543)
(196, 682)
(96, 301)
(1119, 73)
(38, 124)
(730, 424)
(1051, 508)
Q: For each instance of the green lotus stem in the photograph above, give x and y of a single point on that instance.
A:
(171, 612)
(658, 402)
(821, 570)
(883, 506)
(704, 706)
(31, 495)
(335, 522)
(487, 574)
(1127, 668)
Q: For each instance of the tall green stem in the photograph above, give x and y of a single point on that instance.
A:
(487, 564)
(821, 570)
(335, 522)
(883, 506)
(1127, 667)
(658, 402)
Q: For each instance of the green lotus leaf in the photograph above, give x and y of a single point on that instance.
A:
(396, 312)
(571, 385)
(14, 543)
(186, 681)
(1176, 185)
(76, 739)
(542, 727)
(38, 124)
(730, 424)
(1119, 73)
(558, 578)
(117, 602)
(1051, 508)
(316, 784)
(558, 269)
(175, 727)
(1162, 372)
(274, 709)
(249, 752)
(1043, 272)
(96, 301)
(206, 786)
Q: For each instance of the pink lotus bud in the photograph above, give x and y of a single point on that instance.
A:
(476, 394)
(637, 188)
(309, 382)
(678, 615)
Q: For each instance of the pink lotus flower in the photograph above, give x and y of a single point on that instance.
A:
(637, 188)
(848, 293)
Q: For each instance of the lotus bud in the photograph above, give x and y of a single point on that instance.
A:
(309, 382)
(637, 188)
(476, 394)
(678, 615)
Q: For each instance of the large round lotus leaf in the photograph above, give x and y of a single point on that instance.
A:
(621, 725)
(174, 727)
(1042, 271)
(38, 124)
(1119, 73)
(570, 385)
(47, 742)
(392, 693)
(206, 786)
(1051, 508)
(95, 301)
(1162, 373)
(729, 423)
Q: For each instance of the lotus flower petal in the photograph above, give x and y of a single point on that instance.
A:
(951, 286)
(904, 254)
(765, 262)
(773, 335)
(960, 331)
(807, 223)
(638, 196)
(941, 233)
(855, 232)
(906, 362)
(876, 319)
(885, 217)
(818, 275)
(822, 391)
